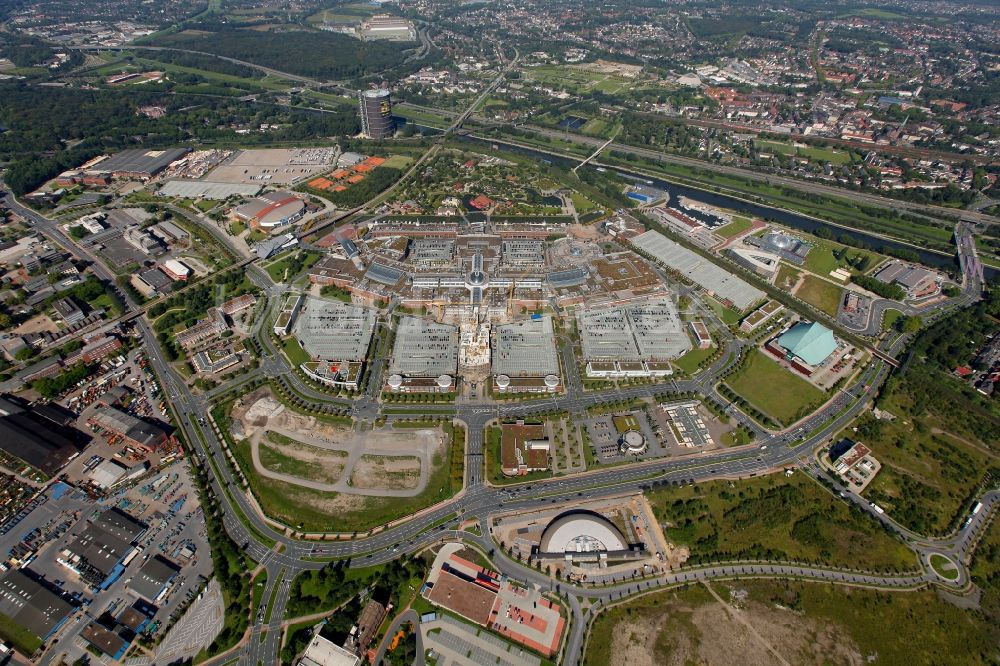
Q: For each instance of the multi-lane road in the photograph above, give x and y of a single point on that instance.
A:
(284, 556)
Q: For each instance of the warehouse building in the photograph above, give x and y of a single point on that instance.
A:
(31, 604)
(717, 281)
(138, 163)
(525, 358)
(135, 431)
(424, 358)
(153, 579)
(37, 437)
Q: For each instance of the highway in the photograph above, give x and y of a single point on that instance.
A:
(478, 501)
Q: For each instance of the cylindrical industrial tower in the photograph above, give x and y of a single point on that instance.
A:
(376, 113)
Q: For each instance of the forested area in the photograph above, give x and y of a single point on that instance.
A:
(44, 122)
(324, 55)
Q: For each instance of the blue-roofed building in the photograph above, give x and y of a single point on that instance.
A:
(810, 343)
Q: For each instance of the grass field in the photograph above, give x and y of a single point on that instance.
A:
(814, 153)
(22, 639)
(774, 390)
(737, 226)
(688, 363)
(823, 295)
(788, 518)
(398, 161)
(294, 351)
(806, 623)
(822, 261)
(787, 277)
(728, 316)
(582, 204)
(943, 567)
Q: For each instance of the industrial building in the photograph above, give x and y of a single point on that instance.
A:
(525, 357)
(137, 163)
(384, 26)
(31, 604)
(424, 358)
(334, 331)
(632, 340)
(175, 270)
(271, 210)
(100, 552)
(375, 108)
(133, 430)
(915, 281)
(41, 438)
(717, 281)
(153, 579)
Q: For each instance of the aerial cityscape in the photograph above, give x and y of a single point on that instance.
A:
(508, 332)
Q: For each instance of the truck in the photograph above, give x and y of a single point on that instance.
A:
(976, 508)
(876, 508)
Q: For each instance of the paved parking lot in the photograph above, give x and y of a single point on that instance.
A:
(604, 436)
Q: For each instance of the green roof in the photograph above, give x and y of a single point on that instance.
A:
(813, 343)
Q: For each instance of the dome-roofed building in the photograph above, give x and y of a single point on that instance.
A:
(585, 536)
(810, 343)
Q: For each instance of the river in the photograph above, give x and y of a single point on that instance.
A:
(781, 216)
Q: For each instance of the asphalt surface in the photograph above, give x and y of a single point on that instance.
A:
(772, 451)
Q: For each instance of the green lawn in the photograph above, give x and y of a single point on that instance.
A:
(944, 567)
(890, 319)
(787, 277)
(821, 259)
(294, 351)
(774, 390)
(398, 161)
(814, 153)
(688, 363)
(582, 204)
(821, 294)
(728, 316)
(789, 518)
(813, 623)
(737, 226)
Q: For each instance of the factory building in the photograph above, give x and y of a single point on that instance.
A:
(375, 108)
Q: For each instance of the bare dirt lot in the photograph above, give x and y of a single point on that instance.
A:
(283, 455)
(303, 451)
(393, 472)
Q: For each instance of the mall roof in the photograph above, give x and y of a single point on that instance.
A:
(525, 349)
(424, 348)
(813, 343)
(334, 331)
